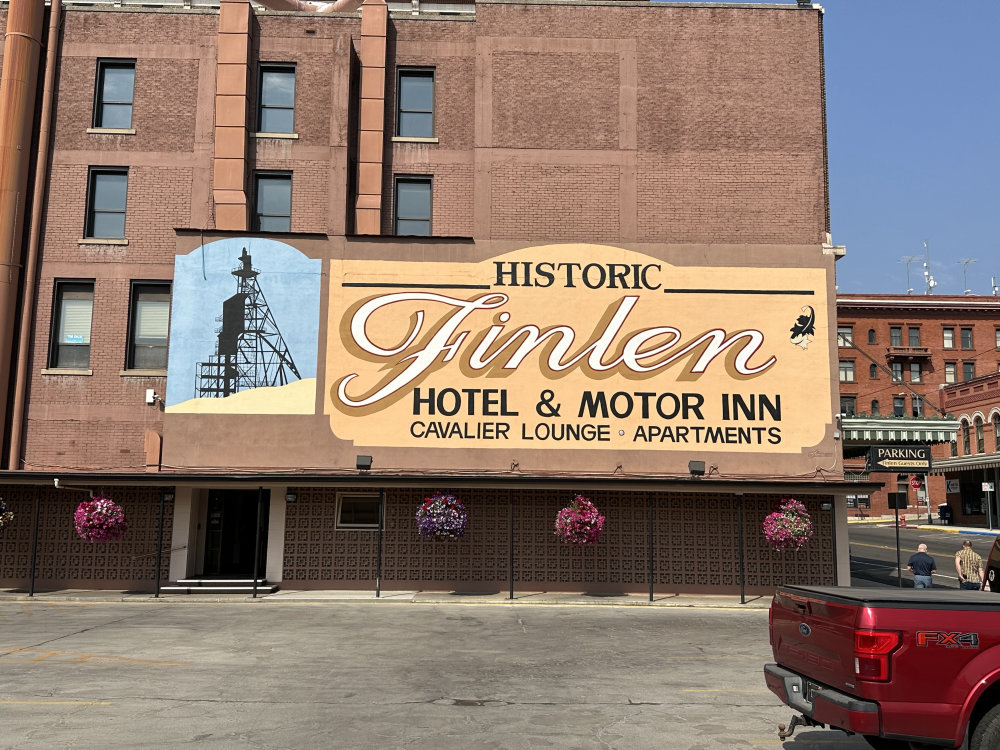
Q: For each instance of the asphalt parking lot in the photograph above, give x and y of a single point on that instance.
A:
(382, 675)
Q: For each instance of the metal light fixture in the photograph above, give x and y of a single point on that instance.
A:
(291, 497)
(697, 468)
(364, 463)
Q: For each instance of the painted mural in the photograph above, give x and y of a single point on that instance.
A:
(578, 347)
(244, 329)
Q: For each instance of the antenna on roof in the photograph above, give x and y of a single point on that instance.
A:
(965, 273)
(908, 259)
(993, 283)
(928, 279)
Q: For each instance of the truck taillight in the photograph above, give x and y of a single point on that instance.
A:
(872, 651)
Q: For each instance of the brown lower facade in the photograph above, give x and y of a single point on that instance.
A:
(683, 541)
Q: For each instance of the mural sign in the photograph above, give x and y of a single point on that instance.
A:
(244, 327)
(577, 346)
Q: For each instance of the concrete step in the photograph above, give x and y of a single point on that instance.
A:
(219, 586)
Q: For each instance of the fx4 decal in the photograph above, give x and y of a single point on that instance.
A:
(948, 640)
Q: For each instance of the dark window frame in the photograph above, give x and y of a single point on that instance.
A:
(59, 357)
(100, 100)
(966, 336)
(276, 176)
(263, 70)
(90, 220)
(354, 525)
(402, 75)
(895, 335)
(396, 218)
(136, 289)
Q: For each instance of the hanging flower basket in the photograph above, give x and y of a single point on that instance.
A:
(6, 516)
(100, 519)
(442, 517)
(789, 527)
(579, 523)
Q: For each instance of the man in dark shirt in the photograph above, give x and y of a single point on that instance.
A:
(923, 567)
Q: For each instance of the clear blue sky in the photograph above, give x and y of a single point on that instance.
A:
(913, 114)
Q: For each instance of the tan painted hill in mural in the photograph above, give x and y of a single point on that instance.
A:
(295, 398)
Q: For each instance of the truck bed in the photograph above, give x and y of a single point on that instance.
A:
(899, 598)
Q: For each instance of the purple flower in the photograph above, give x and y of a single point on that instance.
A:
(100, 519)
(579, 523)
(442, 517)
(789, 528)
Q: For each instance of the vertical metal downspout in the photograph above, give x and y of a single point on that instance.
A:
(18, 84)
(34, 239)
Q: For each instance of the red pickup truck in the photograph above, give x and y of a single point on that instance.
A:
(904, 668)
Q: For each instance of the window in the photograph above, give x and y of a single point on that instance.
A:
(948, 340)
(965, 438)
(897, 372)
(357, 511)
(914, 336)
(846, 371)
(848, 406)
(917, 406)
(114, 94)
(914, 372)
(148, 326)
(895, 336)
(980, 443)
(898, 406)
(968, 370)
(873, 372)
(996, 432)
(415, 103)
(845, 336)
(106, 195)
(871, 335)
(272, 202)
(998, 337)
(413, 206)
(875, 411)
(71, 318)
(859, 501)
(950, 370)
(966, 338)
(276, 96)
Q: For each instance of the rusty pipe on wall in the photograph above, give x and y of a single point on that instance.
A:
(34, 238)
(18, 84)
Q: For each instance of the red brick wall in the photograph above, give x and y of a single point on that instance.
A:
(586, 123)
(896, 311)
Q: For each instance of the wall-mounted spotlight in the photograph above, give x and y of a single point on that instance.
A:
(826, 506)
(291, 497)
(364, 463)
(697, 468)
(152, 396)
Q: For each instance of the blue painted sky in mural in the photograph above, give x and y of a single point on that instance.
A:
(203, 279)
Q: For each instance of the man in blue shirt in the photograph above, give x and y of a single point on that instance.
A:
(923, 567)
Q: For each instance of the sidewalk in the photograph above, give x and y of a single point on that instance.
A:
(540, 598)
(916, 524)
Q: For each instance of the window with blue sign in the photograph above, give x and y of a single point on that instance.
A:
(72, 317)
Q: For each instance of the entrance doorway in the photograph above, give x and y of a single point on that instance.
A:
(230, 531)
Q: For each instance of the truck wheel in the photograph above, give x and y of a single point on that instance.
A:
(986, 735)
(881, 743)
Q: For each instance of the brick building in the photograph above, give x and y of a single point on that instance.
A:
(899, 357)
(287, 273)
(971, 468)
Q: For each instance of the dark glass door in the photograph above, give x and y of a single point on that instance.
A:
(231, 528)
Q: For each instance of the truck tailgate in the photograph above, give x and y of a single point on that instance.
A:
(815, 636)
